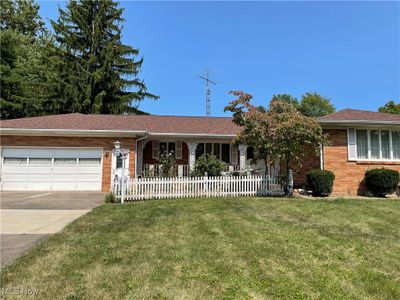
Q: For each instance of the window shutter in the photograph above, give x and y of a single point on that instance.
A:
(155, 149)
(178, 149)
(234, 155)
(351, 144)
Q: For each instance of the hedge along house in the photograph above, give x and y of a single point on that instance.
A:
(75, 151)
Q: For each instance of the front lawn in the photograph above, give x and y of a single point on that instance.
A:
(230, 248)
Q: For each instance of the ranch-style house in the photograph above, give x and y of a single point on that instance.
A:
(76, 151)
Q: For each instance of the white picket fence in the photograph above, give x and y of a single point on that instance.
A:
(185, 187)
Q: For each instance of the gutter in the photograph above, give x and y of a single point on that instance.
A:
(73, 132)
(357, 122)
(136, 154)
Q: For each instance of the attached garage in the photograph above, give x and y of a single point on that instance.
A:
(51, 169)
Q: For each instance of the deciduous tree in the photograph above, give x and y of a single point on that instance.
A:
(390, 107)
(281, 133)
(315, 105)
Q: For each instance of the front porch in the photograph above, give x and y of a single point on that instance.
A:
(236, 159)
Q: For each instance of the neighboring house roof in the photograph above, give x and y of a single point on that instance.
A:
(355, 116)
(139, 124)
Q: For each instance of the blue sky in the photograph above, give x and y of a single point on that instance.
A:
(348, 51)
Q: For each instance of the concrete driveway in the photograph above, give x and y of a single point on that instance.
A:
(30, 217)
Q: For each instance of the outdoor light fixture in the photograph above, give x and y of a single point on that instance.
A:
(117, 145)
(123, 153)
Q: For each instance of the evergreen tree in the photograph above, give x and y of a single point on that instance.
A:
(21, 16)
(97, 73)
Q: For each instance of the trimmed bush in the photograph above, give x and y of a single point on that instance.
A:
(110, 198)
(320, 182)
(381, 182)
(209, 164)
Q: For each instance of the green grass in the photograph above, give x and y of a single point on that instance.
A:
(225, 248)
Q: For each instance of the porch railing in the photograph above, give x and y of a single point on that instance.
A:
(155, 170)
(185, 187)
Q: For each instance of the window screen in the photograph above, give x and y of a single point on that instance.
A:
(199, 150)
(225, 151)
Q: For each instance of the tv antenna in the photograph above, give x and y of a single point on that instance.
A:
(206, 77)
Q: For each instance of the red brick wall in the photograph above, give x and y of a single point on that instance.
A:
(148, 159)
(348, 174)
(104, 142)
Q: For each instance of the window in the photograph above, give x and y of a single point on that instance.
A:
(14, 160)
(225, 153)
(217, 150)
(39, 161)
(250, 153)
(362, 144)
(167, 148)
(119, 162)
(378, 144)
(90, 161)
(199, 150)
(396, 144)
(374, 138)
(65, 161)
(385, 144)
(221, 151)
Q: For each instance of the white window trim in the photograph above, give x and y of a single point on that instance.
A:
(369, 159)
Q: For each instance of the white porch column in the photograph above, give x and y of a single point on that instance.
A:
(242, 156)
(192, 154)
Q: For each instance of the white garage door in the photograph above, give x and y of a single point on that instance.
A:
(51, 169)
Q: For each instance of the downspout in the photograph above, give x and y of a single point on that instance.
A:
(136, 149)
(321, 157)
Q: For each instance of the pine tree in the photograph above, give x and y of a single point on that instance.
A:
(97, 73)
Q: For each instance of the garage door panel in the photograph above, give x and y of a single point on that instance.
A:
(38, 186)
(14, 169)
(90, 186)
(15, 152)
(14, 185)
(89, 177)
(51, 169)
(41, 153)
(15, 176)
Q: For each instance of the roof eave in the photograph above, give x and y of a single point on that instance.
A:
(71, 132)
(357, 122)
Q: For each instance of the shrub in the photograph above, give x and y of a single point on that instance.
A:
(168, 164)
(381, 182)
(208, 164)
(320, 182)
(110, 198)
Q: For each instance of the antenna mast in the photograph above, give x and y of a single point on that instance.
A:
(208, 91)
